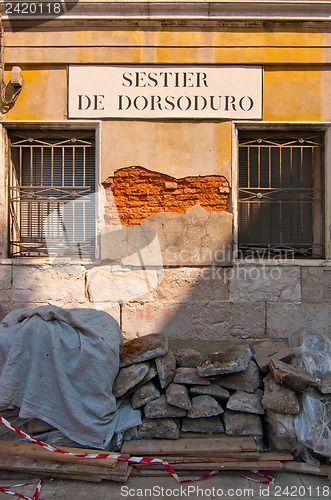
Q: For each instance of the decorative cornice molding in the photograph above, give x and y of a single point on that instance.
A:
(189, 11)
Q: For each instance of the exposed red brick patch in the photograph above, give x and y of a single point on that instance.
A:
(140, 193)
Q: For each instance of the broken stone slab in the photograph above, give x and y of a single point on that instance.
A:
(280, 432)
(213, 390)
(145, 393)
(271, 349)
(242, 424)
(245, 402)
(143, 349)
(296, 378)
(325, 384)
(210, 425)
(161, 428)
(160, 408)
(166, 368)
(230, 360)
(177, 395)
(249, 380)
(188, 358)
(279, 398)
(204, 406)
(190, 376)
(129, 377)
(152, 372)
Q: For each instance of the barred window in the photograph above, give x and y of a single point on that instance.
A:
(51, 187)
(281, 195)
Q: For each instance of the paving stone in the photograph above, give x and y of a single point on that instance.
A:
(166, 368)
(190, 376)
(144, 394)
(277, 350)
(204, 406)
(160, 408)
(230, 360)
(210, 425)
(325, 384)
(249, 380)
(143, 349)
(245, 402)
(188, 358)
(161, 428)
(177, 395)
(294, 377)
(129, 377)
(279, 398)
(213, 390)
(242, 424)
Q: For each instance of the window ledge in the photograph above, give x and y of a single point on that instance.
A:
(283, 262)
(40, 261)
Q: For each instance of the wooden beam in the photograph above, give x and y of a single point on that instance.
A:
(190, 447)
(35, 451)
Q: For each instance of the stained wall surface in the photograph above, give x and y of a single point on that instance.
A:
(194, 289)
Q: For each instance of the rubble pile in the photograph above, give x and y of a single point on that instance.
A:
(183, 390)
(239, 390)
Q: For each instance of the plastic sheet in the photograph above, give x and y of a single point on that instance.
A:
(313, 424)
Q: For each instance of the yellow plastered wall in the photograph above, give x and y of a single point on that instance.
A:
(297, 87)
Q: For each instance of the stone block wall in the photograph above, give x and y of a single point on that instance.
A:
(166, 266)
(203, 302)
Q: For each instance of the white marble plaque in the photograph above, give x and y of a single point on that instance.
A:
(153, 91)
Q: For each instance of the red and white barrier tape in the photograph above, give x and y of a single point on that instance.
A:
(141, 460)
(5, 489)
(267, 480)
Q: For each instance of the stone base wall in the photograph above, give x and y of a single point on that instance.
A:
(239, 302)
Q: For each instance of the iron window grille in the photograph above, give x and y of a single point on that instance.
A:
(51, 187)
(281, 195)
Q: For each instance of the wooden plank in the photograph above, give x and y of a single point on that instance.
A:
(223, 465)
(35, 451)
(302, 468)
(199, 435)
(11, 475)
(190, 447)
(228, 458)
(197, 472)
(48, 467)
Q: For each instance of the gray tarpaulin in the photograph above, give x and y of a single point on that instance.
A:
(59, 365)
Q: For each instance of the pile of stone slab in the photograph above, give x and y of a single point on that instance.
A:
(235, 390)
